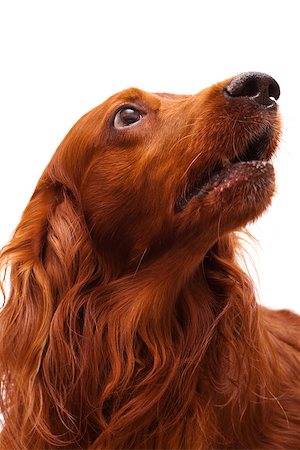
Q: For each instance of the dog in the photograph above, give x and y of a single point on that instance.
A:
(129, 323)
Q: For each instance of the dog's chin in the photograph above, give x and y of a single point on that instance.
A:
(233, 196)
(241, 191)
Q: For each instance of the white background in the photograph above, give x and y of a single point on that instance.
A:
(60, 58)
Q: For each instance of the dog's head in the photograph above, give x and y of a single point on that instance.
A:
(154, 168)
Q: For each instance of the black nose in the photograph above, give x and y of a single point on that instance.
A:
(259, 86)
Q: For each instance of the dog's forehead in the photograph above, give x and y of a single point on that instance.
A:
(154, 99)
(169, 96)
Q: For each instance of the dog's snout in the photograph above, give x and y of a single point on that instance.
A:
(258, 86)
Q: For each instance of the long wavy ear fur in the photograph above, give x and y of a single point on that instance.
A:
(51, 259)
(87, 360)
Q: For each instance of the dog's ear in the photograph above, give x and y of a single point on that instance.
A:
(51, 263)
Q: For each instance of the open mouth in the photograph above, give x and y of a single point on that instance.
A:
(253, 158)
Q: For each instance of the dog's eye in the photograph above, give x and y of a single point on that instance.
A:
(126, 117)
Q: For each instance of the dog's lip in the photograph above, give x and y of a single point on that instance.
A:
(238, 172)
(254, 156)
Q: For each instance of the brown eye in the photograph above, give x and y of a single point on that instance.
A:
(126, 117)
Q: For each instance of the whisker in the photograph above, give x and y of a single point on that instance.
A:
(140, 262)
(191, 135)
(191, 163)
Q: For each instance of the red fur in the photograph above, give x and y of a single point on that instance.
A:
(130, 325)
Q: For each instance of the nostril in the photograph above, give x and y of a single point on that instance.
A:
(248, 89)
(259, 86)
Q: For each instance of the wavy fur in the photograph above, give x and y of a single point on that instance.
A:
(128, 326)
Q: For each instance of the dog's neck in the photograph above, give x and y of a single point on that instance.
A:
(177, 335)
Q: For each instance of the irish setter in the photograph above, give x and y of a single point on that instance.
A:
(129, 323)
